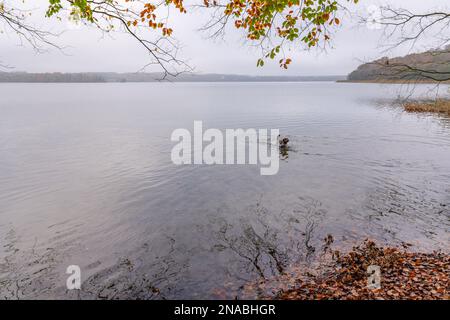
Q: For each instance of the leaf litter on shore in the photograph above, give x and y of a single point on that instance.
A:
(404, 275)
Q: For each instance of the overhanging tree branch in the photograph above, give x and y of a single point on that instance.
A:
(403, 27)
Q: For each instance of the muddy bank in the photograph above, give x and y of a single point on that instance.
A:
(344, 276)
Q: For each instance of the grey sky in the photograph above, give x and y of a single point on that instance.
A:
(91, 51)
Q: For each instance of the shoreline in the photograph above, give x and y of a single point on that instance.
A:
(344, 276)
(441, 106)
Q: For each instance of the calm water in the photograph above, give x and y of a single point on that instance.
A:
(86, 179)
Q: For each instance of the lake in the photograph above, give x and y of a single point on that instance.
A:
(86, 179)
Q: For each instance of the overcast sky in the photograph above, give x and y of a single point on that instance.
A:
(89, 50)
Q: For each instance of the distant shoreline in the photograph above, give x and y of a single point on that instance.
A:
(112, 77)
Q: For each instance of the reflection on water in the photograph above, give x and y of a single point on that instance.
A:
(263, 247)
(86, 179)
(26, 274)
(137, 278)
